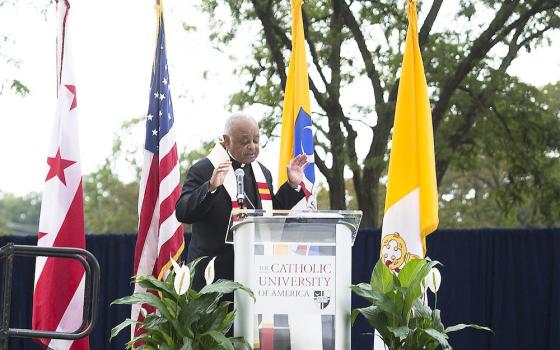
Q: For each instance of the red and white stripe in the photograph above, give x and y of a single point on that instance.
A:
(59, 283)
(160, 235)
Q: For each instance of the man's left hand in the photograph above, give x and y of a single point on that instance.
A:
(295, 170)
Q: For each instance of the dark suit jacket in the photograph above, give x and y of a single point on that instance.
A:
(209, 215)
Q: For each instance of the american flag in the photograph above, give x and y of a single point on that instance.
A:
(160, 235)
(58, 296)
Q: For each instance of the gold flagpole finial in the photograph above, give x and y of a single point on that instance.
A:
(159, 7)
(410, 3)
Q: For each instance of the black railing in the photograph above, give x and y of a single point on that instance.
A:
(91, 292)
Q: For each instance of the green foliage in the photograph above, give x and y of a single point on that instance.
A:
(397, 310)
(110, 206)
(194, 320)
(19, 213)
(188, 157)
(19, 88)
(506, 170)
(482, 116)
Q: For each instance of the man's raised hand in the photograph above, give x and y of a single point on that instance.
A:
(219, 174)
(295, 170)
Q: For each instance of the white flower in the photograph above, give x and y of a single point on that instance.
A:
(433, 280)
(182, 277)
(143, 312)
(209, 272)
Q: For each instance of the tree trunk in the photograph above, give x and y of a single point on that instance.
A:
(367, 197)
(337, 193)
(367, 201)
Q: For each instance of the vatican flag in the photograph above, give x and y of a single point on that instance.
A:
(411, 205)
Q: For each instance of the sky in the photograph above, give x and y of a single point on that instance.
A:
(113, 52)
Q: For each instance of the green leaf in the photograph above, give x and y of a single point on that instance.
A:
(382, 278)
(215, 341)
(145, 298)
(187, 344)
(375, 317)
(197, 308)
(117, 329)
(440, 337)
(240, 343)
(461, 326)
(227, 322)
(421, 310)
(225, 287)
(389, 303)
(212, 321)
(171, 306)
(147, 338)
(413, 278)
(150, 282)
(368, 312)
(399, 332)
(364, 290)
(19, 87)
(410, 271)
(192, 264)
(155, 322)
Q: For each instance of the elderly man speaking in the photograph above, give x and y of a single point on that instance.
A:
(206, 201)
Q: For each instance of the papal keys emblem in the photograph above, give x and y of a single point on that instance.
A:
(394, 253)
(322, 298)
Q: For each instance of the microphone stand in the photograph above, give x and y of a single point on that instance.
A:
(247, 197)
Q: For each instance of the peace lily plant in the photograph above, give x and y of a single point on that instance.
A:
(184, 319)
(399, 311)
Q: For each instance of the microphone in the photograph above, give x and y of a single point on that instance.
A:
(239, 174)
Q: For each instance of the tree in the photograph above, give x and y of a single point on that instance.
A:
(507, 169)
(490, 185)
(19, 213)
(110, 206)
(355, 46)
(111, 203)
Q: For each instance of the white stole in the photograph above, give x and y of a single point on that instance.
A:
(219, 155)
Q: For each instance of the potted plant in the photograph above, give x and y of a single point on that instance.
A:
(185, 319)
(399, 311)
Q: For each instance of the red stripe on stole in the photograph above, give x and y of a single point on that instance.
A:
(50, 300)
(305, 190)
(262, 185)
(149, 201)
(266, 196)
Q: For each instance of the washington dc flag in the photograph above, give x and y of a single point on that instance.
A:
(411, 205)
(297, 134)
(58, 298)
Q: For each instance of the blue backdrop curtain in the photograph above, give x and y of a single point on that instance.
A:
(506, 279)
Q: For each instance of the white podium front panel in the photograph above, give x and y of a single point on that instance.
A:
(300, 271)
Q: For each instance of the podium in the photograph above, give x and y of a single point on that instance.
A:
(299, 266)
